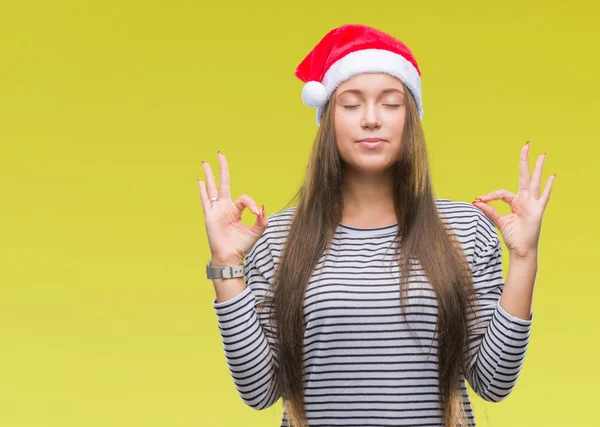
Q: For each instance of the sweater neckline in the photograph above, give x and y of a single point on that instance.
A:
(375, 231)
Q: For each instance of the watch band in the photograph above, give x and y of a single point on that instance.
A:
(226, 272)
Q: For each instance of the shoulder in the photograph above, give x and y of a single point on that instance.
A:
(463, 216)
(280, 222)
(270, 244)
(469, 224)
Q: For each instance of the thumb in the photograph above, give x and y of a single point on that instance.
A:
(261, 223)
(490, 212)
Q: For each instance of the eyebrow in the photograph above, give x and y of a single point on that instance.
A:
(359, 92)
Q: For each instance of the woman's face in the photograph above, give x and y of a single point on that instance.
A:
(369, 105)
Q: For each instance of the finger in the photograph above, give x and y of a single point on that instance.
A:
(524, 169)
(547, 190)
(224, 189)
(502, 194)
(534, 187)
(261, 222)
(204, 196)
(210, 180)
(245, 201)
(490, 212)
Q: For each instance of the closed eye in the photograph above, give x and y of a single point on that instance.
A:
(349, 107)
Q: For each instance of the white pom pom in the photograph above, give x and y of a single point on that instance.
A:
(314, 94)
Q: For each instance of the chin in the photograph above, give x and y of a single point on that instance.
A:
(372, 166)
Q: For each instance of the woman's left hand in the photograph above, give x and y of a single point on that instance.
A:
(520, 229)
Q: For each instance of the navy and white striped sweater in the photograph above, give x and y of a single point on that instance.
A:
(364, 366)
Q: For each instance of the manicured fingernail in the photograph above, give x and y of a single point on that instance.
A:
(263, 210)
(219, 153)
(527, 143)
(554, 175)
(255, 210)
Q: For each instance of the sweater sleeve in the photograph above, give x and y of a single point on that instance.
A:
(497, 341)
(248, 339)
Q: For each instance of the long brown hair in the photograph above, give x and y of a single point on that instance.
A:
(424, 238)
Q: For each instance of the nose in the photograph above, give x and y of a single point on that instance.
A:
(370, 119)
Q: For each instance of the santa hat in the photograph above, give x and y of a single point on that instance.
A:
(350, 50)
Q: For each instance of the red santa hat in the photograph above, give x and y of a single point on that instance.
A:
(350, 50)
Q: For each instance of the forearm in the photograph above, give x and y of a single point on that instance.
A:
(517, 295)
(500, 355)
(227, 289)
(248, 352)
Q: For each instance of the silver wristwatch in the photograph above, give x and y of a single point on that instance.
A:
(227, 272)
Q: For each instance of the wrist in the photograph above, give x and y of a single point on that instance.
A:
(226, 261)
(529, 255)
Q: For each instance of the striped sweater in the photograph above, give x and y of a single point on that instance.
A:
(365, 363)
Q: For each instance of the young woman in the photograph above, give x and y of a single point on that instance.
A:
(372, 301)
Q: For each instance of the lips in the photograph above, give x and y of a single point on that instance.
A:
(371, 140)
(371, 143)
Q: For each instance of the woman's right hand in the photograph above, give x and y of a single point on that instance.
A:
(229, 239)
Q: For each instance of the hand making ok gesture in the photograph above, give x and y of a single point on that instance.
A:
(228, 237)
(520, 229)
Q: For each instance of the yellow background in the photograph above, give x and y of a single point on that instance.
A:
(107, 109)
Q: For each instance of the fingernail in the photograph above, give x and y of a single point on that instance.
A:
(554, 175)
(255, 210)
(219, 153)
(527, 143)
(202, 161)
(263, 210)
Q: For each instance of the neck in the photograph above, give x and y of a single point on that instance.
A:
(368, 199)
